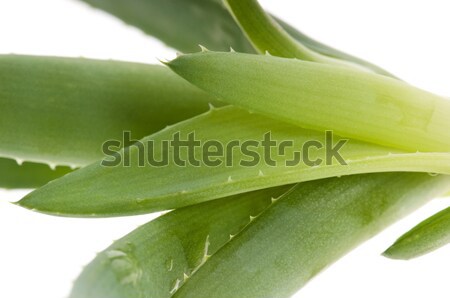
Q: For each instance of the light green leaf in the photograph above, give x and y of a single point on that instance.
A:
(429, 235)
(59, 111)
(265, 34)
(352, 103)
(97, 190)
(149, 261)
(27, 175)
(251, 245)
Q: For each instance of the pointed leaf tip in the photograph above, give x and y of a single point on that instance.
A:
(428, 236)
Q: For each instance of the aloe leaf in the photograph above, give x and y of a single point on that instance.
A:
(251, 245)
(266, 35)
(428, 236)
(306, 230)
(150, 261)
(179, 23)
(27, 175)
(353, 103)
(59, 111)
(206, 22)
(134, 186)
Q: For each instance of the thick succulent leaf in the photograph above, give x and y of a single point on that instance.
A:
(150, 261)
(306, 230)
(60, 110)
(429, 235)
(27, 175)
(179, 23)
(134, 188)
(319, 96)
(253, 245)
(266, 35)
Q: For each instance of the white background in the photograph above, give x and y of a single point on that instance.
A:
(41, 255)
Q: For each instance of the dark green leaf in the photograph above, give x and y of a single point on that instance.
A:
(27, 175)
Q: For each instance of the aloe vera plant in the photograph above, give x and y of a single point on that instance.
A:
(373, 149)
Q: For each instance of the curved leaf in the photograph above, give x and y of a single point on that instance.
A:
(251, 245)
(268, 36)
(352, 103)
(133, 188)
(429, 235)
(60, 110)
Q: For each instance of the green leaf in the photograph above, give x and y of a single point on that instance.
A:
(134, 188)
(265, 34)
(148, 262)
(429, 235)
(352, 103)
(27, 175)
(268, 36)
(59, 111)
(179, 23)
(307, 230)
(251, 245)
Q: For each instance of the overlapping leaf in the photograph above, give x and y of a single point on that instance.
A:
(253, 245)
(143, 186)
(352, 103)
